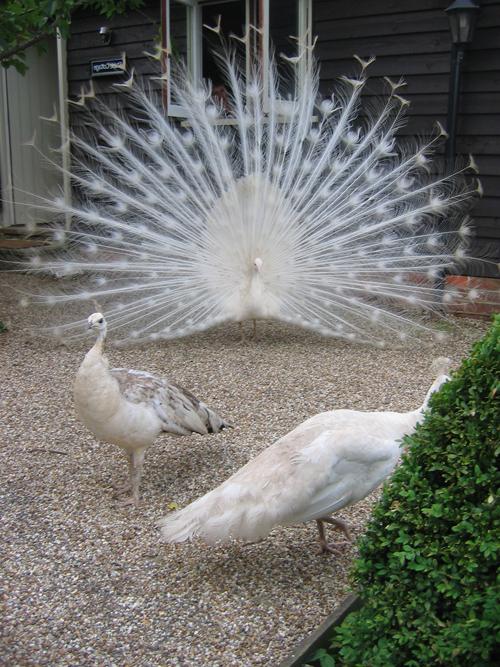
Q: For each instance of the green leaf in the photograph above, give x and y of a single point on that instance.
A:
(325, 659)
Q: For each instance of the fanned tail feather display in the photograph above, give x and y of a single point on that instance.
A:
(288, 206)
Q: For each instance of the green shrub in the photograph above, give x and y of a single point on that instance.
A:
(427, 566)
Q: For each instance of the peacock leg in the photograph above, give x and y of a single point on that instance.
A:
(254, 332)
(242, 333)
(326, 547)
(249, 544)
(341, 525)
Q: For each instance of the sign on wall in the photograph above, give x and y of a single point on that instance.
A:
(108, 66)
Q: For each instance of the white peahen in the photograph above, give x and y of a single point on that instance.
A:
(328, 462)
(131, 408)
(277, 205)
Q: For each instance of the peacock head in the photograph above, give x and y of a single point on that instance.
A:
(257, 264)
(96, 322)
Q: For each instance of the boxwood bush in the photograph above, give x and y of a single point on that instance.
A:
(427, 567)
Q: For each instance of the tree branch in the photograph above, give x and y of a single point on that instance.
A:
(7, 55)
(47, 30)
(63, 14)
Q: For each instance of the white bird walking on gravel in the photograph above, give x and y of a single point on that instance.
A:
(328, 462)
(131, 408)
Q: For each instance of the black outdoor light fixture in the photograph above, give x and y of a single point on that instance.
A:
(462, 15)
(106, 35)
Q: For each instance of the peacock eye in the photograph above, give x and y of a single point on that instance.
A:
(100, 320)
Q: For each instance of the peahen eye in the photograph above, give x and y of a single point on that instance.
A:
(100, 320)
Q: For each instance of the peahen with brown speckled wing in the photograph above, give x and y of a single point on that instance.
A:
(131, 408)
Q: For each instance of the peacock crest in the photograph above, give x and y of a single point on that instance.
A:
(293, 206)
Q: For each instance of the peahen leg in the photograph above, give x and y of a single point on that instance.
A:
(136, 460)
(125, 487)
(326, 547)
(341, 525)
(135, 480)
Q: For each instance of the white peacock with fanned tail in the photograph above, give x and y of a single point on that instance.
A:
(292, 207)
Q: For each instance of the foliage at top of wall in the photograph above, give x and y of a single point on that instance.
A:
(25, 23)
(428, 561)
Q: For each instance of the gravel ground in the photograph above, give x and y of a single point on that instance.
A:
(86, 582)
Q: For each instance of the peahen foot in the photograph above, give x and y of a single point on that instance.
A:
(121, 489)
(129, 500)
(341, 525)
(331, 547)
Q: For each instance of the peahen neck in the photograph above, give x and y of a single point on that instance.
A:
(97, 350)
(434, 387)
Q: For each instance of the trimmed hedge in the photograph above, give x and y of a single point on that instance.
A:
(427, 570)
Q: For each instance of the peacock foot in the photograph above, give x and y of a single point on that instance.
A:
(249, 544)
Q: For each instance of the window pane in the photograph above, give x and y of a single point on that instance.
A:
(178, 32)
(178, 40)
(233, 20)
(284, 24)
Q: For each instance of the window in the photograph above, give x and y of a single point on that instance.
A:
(279, 21)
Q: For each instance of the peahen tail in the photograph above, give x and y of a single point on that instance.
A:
(352, 229)
(230, 511)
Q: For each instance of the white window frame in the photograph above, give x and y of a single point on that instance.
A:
(194, 39)
(193, 26)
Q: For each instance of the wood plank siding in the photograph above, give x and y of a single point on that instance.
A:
(412, 39)
(409, 39)
(133, 34)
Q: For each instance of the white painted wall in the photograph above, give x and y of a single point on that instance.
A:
(24, 172)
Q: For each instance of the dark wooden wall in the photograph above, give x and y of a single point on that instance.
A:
(134, 33)
(411, 38)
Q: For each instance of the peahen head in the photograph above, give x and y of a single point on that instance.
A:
(440, 367)
(97, 323)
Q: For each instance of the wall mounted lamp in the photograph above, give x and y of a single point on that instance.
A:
(462, 16)
(106, 34)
